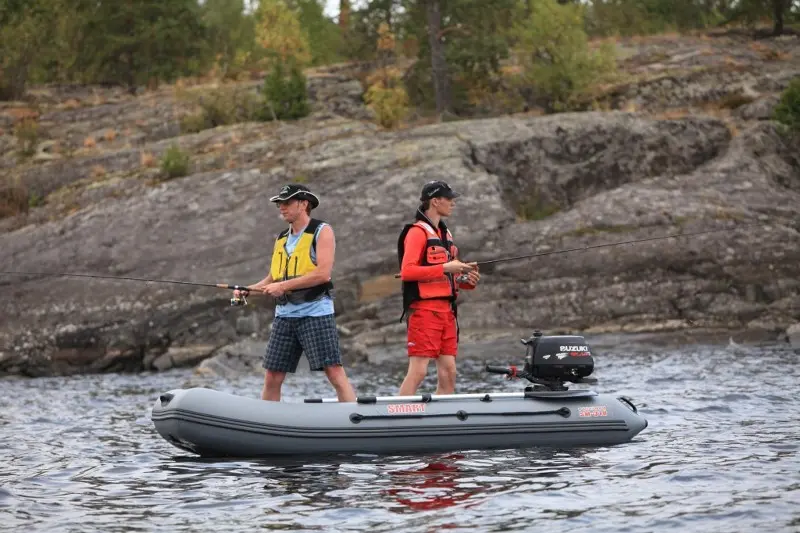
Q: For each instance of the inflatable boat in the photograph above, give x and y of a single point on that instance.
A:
(547, 413)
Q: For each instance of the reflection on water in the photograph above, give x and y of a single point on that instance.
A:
(720, 454)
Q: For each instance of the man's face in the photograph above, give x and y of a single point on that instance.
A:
(443, 206)
(291, 210)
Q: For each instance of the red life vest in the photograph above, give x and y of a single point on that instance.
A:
(437, 251)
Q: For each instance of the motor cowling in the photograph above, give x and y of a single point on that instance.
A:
(558, 357)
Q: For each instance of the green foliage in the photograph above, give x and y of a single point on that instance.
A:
(476, 41)
(220, 107)
(141, 41)
(363, 32)
(533, 207)
(230, 36)
(285, 97)
(279, 34)
(787, 112)
(387, 98)
(322, 34)
(175, 162)
(24, 25)
(641, 17)
(63, 57)
(35, 200)
(137, 42)
(557, 61)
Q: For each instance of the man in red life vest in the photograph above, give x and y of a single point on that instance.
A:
(432, 275)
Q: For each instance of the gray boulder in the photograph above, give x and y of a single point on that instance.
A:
(529, 185)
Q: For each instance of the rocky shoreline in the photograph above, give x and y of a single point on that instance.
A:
(530, 184)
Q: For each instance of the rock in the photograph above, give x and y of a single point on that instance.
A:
(183, 356)
(239, 358)
(528, 184)
(246, 325)
(760, 109)
(339, 94)
(354, 352)
(793, 334)
(46, 151)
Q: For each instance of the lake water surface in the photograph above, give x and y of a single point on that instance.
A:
(721, 453)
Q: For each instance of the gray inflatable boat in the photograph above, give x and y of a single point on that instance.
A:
(216, 424)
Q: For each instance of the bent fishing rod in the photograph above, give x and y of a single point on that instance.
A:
(606, 245)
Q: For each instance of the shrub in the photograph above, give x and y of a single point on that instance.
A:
(557, 60)
(14, 198)
(175, 162)
(387, 98)
(220, 107)
(285, 97)
(787, 112)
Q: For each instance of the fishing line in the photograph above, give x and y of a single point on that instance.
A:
(634, 241)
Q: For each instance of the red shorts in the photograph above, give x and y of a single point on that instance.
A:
(432, 333)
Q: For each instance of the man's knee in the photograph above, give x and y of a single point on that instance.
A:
(273, 378)
(336, 374)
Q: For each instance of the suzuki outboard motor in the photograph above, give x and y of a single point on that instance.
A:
(558, 357)
(551, 361)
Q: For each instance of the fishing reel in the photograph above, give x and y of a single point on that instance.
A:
(241, 299)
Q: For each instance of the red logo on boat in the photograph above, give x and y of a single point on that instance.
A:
(595, 410)
(405, 408)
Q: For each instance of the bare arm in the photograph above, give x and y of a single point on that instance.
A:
(326, 249)
(261, 284)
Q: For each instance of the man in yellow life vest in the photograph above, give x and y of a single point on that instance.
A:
(300, 279)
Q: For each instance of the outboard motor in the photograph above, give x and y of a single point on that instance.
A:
(552, 360)
(558, 357)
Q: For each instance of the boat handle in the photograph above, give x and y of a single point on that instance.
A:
(166, 398)
(628, 401)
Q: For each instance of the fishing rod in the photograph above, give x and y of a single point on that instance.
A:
(583, 248)
(241, 300)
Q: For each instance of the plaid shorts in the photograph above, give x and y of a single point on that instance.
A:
(316, 336)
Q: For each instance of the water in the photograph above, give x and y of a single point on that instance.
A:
(721, 453)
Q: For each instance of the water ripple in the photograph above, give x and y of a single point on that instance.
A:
(720, 454)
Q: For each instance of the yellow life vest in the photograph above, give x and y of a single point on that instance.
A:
(289, 266)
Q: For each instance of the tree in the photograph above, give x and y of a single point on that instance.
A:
(461, 48)
(279, 33)
(363, 26)
(285, 98)
(787, 112)
(141, 41)
(441, 83)
(555, 53)
(323, 35)
(231, 34)
(386, 95)
(24, 28)
(751, 11)
(344, 15)
(779, 9)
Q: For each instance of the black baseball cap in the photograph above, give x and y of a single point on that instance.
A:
(296, 191)
(435, 189)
